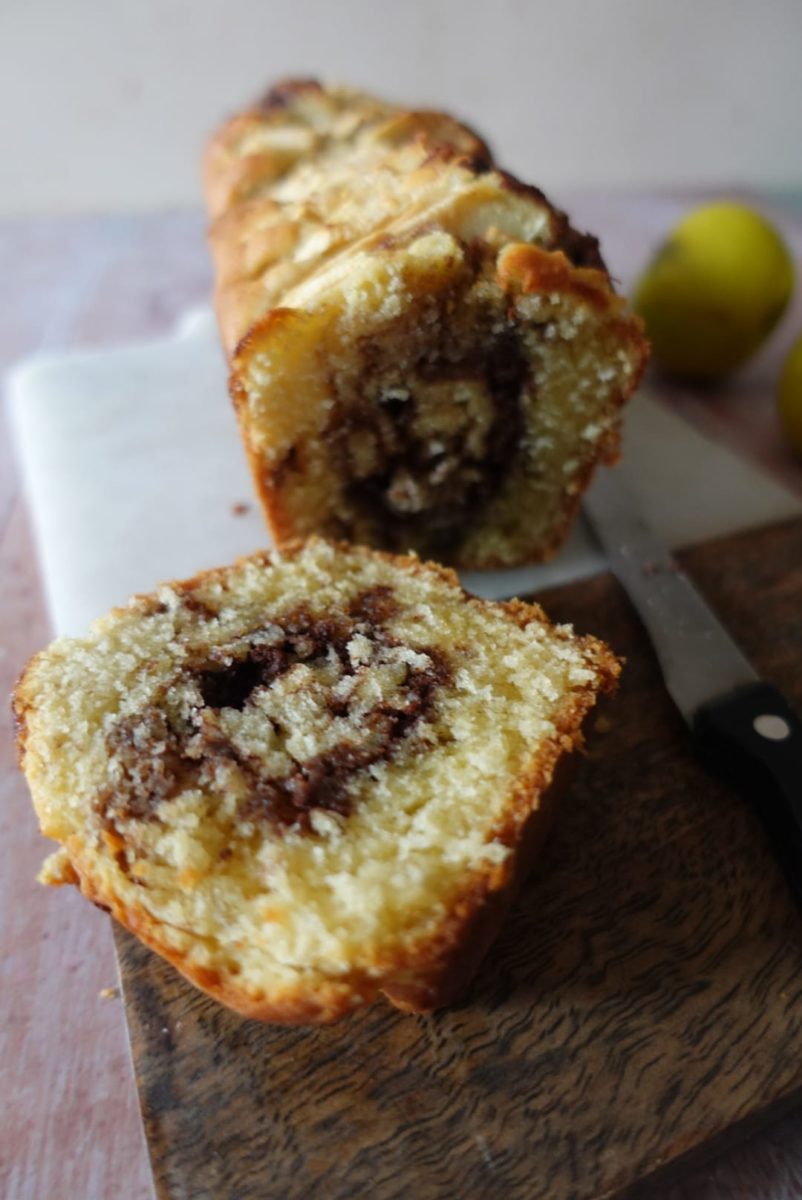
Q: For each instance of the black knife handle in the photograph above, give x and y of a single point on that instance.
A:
(753, 738)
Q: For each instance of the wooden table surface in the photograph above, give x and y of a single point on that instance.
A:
(69, 1124)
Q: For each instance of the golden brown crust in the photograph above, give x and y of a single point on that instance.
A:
(234, 166)
(238, 176)
(530, 269)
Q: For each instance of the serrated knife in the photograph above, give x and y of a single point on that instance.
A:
(744, 728)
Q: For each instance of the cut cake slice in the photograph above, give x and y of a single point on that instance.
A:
(310, 777)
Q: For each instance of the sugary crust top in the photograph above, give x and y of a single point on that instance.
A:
(312, 173)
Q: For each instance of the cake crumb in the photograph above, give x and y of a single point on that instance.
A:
(241, 508)
(109, 993)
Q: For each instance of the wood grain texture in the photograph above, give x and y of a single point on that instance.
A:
(644, 997)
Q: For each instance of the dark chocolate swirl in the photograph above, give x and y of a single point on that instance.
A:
(160, 752)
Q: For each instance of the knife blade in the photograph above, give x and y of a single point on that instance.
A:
(744, 728)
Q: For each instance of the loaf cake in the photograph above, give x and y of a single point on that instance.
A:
(310, 777)
(423, 352)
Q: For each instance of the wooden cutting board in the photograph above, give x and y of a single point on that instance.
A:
(642, 1005)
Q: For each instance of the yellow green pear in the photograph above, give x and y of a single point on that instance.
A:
(714, 291)
(790, 397)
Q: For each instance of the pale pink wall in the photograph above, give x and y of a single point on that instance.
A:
(104, 103)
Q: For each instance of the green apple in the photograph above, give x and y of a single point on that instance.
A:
(714, 291)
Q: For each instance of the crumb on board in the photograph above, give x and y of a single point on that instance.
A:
(109, 993)
(240, 508)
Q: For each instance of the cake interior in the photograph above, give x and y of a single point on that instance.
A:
(437, 408)
(295, 768)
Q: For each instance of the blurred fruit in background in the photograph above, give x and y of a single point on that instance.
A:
(790, 397)
(714, 291)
